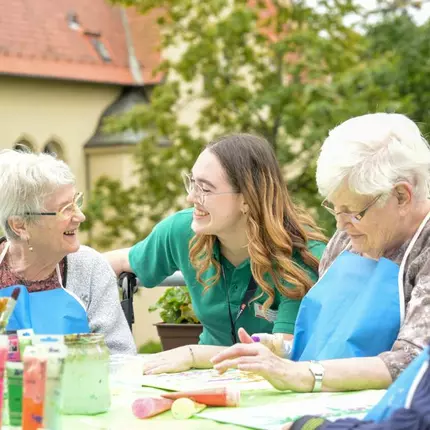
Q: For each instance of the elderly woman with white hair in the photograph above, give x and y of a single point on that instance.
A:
(369, 314)
(65, 288)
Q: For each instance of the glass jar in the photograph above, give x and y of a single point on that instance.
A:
(85, 383)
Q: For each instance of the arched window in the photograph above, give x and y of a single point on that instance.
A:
(23, 145)
(53, 147)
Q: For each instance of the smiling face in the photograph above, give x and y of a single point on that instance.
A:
(220, 211)
(56, 235)
(380, 229)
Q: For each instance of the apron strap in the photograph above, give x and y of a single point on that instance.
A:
(403, 263)
(2, 255)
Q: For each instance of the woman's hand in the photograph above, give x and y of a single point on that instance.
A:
(174, 360)
(275, 342)
(255, 358)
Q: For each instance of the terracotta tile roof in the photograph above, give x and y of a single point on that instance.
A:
(146, 40)
(36, 40)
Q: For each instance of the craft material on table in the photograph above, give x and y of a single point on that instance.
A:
(184, 408)
(4, 346)
(3, 304)
(125, 391)
(56, 355)
(275, 342)
(25, 338)
(208, 378)
(223, 396)
(6, 311)
(148, 407)
(14, 371)
(14, 353)
(38, 339)
(286, 409)
(33, 398)
(85, 388)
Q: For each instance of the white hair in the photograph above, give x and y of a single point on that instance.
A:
(26, 179)
(374, 152)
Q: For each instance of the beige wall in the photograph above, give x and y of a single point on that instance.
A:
(39, 111)
(43, 110)
(117, 162)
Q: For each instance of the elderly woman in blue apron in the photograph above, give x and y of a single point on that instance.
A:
(368, 316)
(65, 288)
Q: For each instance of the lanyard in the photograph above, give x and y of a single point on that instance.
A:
(250, 291)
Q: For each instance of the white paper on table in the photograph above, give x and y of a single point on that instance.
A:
(205, 378)
(293, 406)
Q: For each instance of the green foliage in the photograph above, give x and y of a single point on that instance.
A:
(407, 46)
(150, 347)
(175, 306)
(289, 72)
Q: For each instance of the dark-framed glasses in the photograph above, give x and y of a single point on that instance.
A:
(355, 217)
(66, 212)
(191, 186)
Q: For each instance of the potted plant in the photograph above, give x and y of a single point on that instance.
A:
(180, 325)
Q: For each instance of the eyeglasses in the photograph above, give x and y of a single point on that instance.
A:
(191, 186)
(355, 217)
(67, 211)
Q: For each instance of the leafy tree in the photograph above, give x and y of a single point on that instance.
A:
(281, 68)
(407, 46)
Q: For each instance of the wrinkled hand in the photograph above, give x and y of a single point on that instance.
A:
(255, 358)
(174, 360)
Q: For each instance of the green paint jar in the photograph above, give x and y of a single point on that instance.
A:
(14, 372)
(85, 384)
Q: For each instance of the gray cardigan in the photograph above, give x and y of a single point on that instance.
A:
(92, 279)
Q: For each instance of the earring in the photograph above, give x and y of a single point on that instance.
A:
(30, 248)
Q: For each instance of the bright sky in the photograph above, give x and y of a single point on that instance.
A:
(420, 15)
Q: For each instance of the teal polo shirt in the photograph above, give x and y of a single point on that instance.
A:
(166, 250)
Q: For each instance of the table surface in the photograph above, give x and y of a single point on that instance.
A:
(125, 388)
(121, 417)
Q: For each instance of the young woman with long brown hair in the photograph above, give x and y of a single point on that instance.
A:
(247, 253)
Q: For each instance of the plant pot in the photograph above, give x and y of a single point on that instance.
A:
(174, 335)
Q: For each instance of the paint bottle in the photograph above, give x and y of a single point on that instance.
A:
(56, 355)
(14, 354)
(47, 338)
(148, 407)
(86, 375)
(223, 396)
(14, 372)
(25, 338)
(275, 342)
(4, 348)
(34, 385)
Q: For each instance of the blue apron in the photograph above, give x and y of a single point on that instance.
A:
(354, 310)
(400, 393)
(47, 312)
